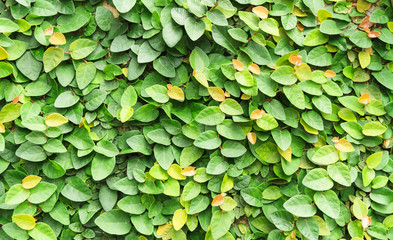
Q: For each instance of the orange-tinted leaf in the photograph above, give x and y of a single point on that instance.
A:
(366, 29)
(218, 200)
(366, 221)
(165, 231)
(295, 59)
(329, 73)
(237, 65)
(365, 99)
(386, 143)
(15, 99)
(300, 26)
(254, 69)
(169, 86)
(256, 114)
(335, 139)
(252, 137)
(226, 94)
(217, 93)
(48, 31)
(176, 93)
(57, 39)
(188, 171)
(366, 23)
(261, 12)
(374, 34)
(31, 181)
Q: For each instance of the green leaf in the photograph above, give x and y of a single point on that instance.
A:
(267, 122)
(373, 129)
(194, 29)
(221, 223)
(360, 39)
(283, 220)
(325, 155)
(5, 69)
(143, 224)
(114, 222)
(315, 38)
(82, 48)
(76, 190)
(231, 107)
(284, 75)
(42, 231)
(42, 192)
(124, 6)
(318, 180)
(16, 195)
(301, 206)
(270, 26)
(8, 26)
(66, 100)
(328, 203)
(104, 18)
(80, 139)
(52, 58)
(85, 74)
(210, 116)
(295, 95)
(158, 93)
(374, 160)
(208, 140)
(258, 53)
(102, 166)
(10, 112)
(172, 34)
(35, 66)
(308, 227)
(340, 173)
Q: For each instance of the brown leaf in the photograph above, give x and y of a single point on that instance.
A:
(114, 11)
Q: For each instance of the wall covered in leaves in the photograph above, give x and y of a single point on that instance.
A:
(189, 119)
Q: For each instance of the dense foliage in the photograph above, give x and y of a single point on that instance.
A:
(189, 119)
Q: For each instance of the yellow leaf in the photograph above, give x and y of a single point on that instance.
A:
(390, 26)
(323, 14)
(261, 12)
(364, 59)
(31, 181)
(298, 13)
(176, 93)
(57, 39)
(217, 93)
(308, 128)
(175, 172)
(201, 78)
(287, 154)
(3, 53)
(125, 71)
(179, 219)
(303, 72)
(344, 145)
(55, 120)
(126, 113)
(323, 227)
(2, 128)
(362, 5)
(24, 221)
(165, 231)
